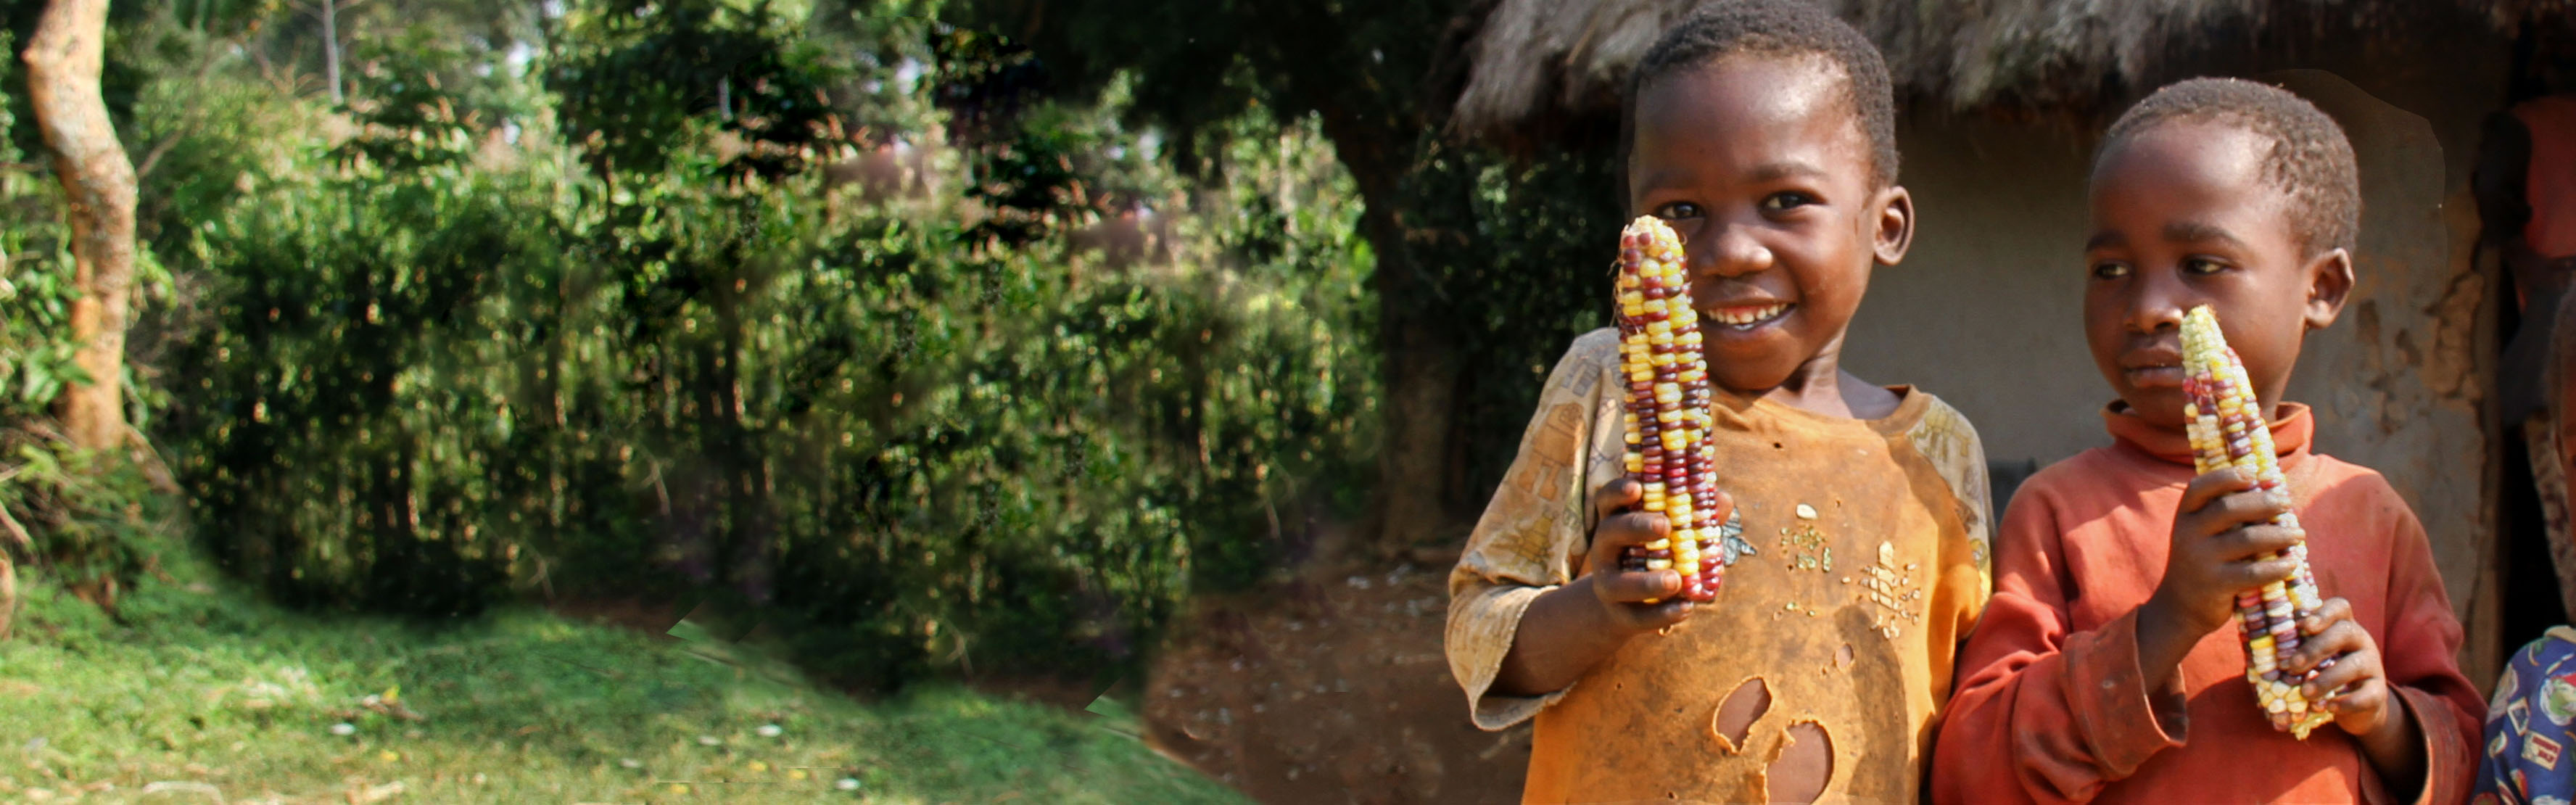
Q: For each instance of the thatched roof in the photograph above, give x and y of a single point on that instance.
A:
(1536, 59)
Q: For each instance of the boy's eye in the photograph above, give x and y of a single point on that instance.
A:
(2202, 265)
(1677, 210)
(1787, 200)
(2110, 271)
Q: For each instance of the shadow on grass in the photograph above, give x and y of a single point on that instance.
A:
(207, 690)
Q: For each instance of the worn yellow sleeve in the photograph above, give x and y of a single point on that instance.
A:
(1535, 529)
(1944, 438)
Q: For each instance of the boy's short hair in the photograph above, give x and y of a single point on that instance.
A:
(2310, 159)
(1776, 28)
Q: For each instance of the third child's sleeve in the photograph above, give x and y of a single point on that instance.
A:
(1532, 533)
(2043, 714)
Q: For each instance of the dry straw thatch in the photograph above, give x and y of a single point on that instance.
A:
(1535, 59)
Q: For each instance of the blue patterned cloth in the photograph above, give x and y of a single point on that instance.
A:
(2528, 724)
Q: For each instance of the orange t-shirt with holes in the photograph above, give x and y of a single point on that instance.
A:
(1819, 669)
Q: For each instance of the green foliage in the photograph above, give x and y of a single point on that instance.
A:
(1507, 246)
(8, 119)
(87, 516)
(350, 427)
(420, 105)
(35, 356)
(91, 517)
(638, 78)
(1476, 249)
(1075, 447)
(35, 286)
(1199, 65)
(647, 349)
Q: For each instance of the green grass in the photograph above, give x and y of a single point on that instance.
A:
(213, 694)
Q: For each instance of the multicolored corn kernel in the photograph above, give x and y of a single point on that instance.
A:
(1667, 409)
(2225, 423)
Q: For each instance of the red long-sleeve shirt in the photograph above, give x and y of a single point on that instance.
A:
(2052, 705)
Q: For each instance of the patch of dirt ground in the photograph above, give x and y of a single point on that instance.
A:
(1328, 689)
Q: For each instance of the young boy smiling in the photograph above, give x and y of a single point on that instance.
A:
(2106, 668)
(1762, 133)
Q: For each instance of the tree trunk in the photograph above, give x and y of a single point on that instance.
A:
(63, 62)
(331, 48)
(8, 594)
(14, 541)
(1413, 505)
(1416, 506)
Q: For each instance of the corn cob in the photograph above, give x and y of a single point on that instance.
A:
(2227, 429)
(1667, 413)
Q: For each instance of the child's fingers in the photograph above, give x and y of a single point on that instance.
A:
(2348, 671)
(2240, 544)
(1618, 494)
(1630, 528)
(2332, 611)
(2343, 638)
(2235, 556)
(1651, 617)
(1633, 586)
(2365, 696)
(2247, 575)
(2242, 507)
(2211, 485)
(1615, 534)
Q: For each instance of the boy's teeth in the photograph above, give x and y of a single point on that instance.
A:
(1745, 318)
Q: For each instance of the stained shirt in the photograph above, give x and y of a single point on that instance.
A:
(1842, 626)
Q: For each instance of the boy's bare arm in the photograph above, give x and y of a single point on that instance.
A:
(1568, 630)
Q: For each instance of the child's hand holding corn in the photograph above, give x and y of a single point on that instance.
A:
(1622, 593)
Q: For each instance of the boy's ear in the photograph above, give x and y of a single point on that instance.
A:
(1894, 232)
(2329, 284)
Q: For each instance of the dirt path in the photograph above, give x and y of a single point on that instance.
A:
(1331, 689)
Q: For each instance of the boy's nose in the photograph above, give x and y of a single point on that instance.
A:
(2159, 306)
(1730, 251)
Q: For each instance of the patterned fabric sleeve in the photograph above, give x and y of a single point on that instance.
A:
(1534, 531)
(1946, 439)
(2528, 726)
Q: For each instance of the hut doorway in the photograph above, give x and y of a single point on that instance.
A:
(2525, 187)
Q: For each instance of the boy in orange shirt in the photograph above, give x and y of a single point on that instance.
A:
(1762, 133)
(2107, 667)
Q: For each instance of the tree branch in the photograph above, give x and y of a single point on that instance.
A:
(153, 157)
(206, 62)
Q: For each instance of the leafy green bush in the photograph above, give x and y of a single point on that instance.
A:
(419, 372)
(1517, 241)
(94, 519)
(35, 354)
